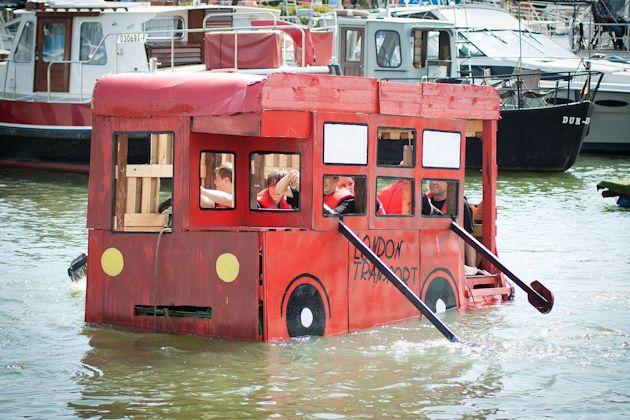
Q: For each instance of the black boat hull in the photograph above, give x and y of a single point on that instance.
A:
(537, 139)
(54, 149)
(54, 146)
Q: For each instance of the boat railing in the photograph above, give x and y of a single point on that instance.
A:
(144, 36)
(596, 41)
(535, 89)
(79, 62)
(529, 89)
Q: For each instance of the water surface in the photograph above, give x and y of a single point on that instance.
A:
(571, 363)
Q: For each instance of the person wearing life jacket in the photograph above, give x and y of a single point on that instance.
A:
(437, 194)
(223, 195)
(282, 192)
(339, 200)
(390, 199)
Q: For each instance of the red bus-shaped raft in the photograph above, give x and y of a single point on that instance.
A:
(161, 260)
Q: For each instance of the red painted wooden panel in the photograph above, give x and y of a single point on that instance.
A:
(305, 256)
(372, 299)
(238, 124)
(441, 255)
(295, 124)
(186, 275)
(320, 92)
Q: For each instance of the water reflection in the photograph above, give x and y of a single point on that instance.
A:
(397, 370)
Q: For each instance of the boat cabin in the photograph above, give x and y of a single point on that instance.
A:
(62, 49)
(185, 236)
(397, 49)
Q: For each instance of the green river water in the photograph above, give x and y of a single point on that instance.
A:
(571, 363)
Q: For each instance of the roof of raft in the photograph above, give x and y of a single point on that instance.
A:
(135, 95)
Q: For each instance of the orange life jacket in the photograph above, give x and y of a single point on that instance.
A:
(265, 201)
(334, 199)
(391, 198)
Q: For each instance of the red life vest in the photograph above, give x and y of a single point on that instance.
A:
(265, 201)
(430, 196)
(391, 198)
(334, 199)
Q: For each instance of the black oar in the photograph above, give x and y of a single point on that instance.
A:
(396, 281)
(538, 295)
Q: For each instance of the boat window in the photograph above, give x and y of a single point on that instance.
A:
(507, 44)
(91, 49)
(419, 48)
(440, 197)
(24, 49)
(466, 48)
(344, 194)
(143, 179)
(11, 28)
(432, 48)
(395, 196)
(54, 42)
(274, 181)
(388, 49)
(164, 28)
(216, 181)
(395, 147)
(345, 144)
(353, 45)
(441, 149)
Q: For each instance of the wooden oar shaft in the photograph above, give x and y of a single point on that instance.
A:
(397, 282)
(467, 237)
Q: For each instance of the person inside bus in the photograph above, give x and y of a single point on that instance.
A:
(437, 196)
(339, 200)
(223, 195)
(346, 182)
(605, 13)
(390, 199)
(282, 191)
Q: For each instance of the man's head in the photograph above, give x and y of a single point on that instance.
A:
(330, 184)
(223, 178)
(438, 189)
(272, 179)
(346, 182)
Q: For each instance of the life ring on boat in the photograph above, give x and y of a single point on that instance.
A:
(305, 311)
(351, 12)
(439, 290)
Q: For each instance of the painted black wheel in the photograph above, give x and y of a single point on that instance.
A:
(440, 295)
(306, 314)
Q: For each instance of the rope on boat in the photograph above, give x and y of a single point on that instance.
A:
(155, 276)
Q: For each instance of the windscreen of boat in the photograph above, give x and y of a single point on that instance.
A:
(506, 44)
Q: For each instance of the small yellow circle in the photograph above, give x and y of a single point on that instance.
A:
(227, 267)
(112, 262)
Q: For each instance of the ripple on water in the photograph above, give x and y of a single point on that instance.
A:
(572, 362)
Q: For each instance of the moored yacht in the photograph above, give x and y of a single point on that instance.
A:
(59, 49)
(541, 128)
(491, 38)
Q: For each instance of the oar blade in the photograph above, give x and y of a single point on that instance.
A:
(545, 305)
